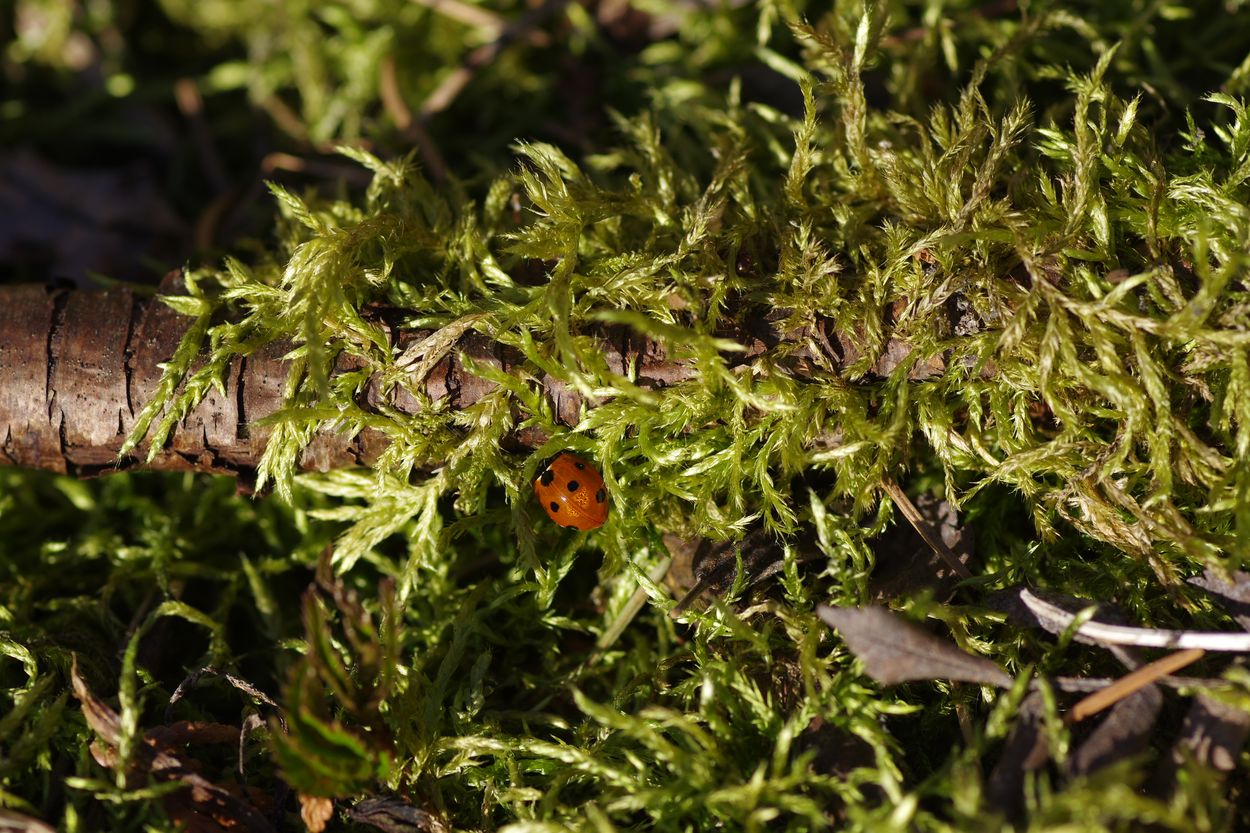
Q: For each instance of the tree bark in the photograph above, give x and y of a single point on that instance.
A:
(76, 367)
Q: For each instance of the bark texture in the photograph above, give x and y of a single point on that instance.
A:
(76, 367)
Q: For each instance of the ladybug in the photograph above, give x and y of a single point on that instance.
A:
(572, 492)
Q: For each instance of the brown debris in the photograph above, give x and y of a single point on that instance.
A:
(705, 568)
(907, 560)
(894, 650)
(203, 806)
(315, 812)
(394, 815)
(1213, 735)
(1026, 751)
(1124, 733)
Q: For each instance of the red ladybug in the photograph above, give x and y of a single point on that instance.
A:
(572, 492)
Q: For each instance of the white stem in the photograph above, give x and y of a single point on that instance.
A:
(1056, 619)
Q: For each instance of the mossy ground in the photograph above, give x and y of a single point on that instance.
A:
(1072, 178)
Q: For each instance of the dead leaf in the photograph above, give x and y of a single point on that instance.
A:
(925, 529)
(1124, 733)
(1214, 732)
(1233, 595)
(893, 650)
(1212, 735)
(12, 821)
(184, 732)
(1026, 751)
(194, 678)
(837, 751)
(715, 566)
(1016, 602)
(684, 551)
(394, 815)
(315, 811)
(203, 807)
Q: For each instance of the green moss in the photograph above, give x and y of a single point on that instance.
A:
(1059, 182)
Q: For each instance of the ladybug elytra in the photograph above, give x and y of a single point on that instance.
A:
(572, 492)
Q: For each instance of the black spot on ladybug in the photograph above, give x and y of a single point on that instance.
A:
(570, 526)
(546, 477)
(555, 507)
(574, 485)
(601, 496)
(580, 466)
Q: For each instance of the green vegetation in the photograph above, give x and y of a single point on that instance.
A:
(1070, 179)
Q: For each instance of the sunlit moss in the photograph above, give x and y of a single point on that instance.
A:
(1047, 207)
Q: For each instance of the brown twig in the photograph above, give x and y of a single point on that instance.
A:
(450, 88)
(1132, 682)
(924, 528)
(478, 17)
(412, 129)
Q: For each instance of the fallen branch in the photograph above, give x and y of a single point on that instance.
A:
(80, 365)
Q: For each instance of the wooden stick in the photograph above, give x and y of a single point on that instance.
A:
(924, 528)
(1132, 682)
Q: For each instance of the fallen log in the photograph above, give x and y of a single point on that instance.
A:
(77, 367)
